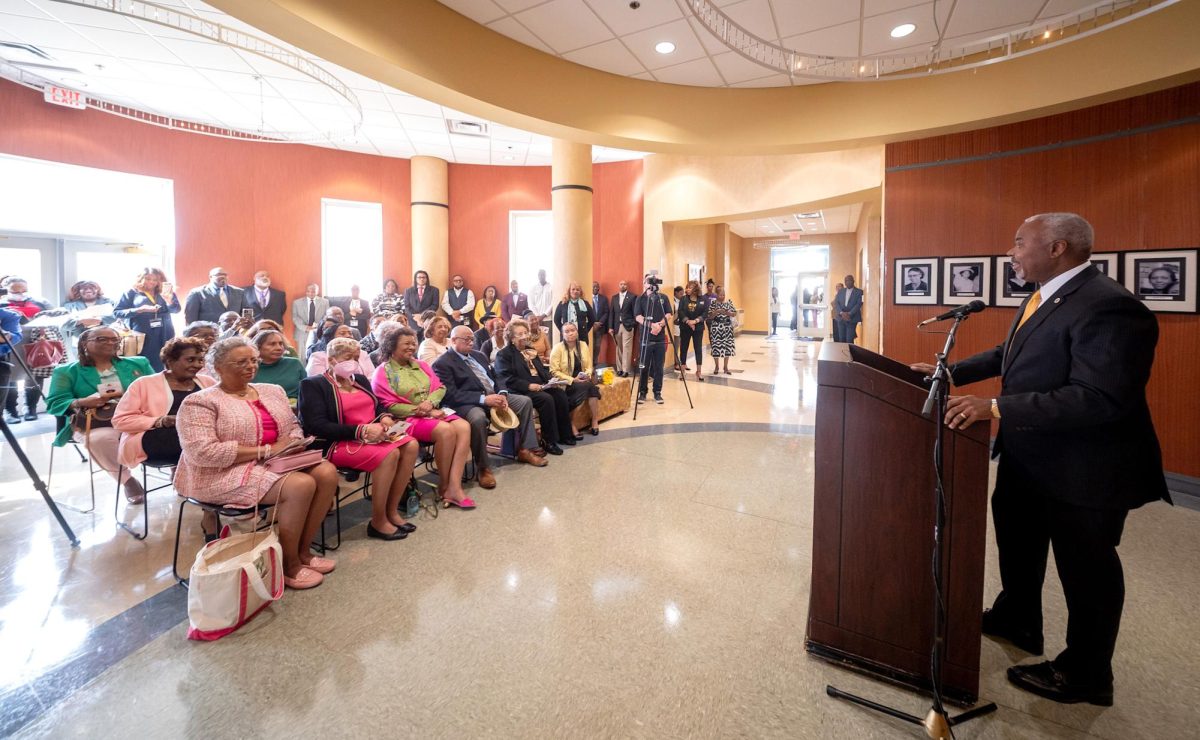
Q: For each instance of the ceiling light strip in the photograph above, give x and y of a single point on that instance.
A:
(937, 60)
(175, 19)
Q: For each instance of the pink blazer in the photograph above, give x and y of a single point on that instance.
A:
(212, 425)
(144, 401)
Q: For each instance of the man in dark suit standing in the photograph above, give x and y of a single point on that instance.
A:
(514, 303)
(208, 302)
(600, 321)
(266, 302)
(621, 325)
(472, 391)
(848, 307)
(1077, 452)
(420, 297)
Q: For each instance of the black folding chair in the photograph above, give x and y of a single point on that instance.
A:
(351, 476)
(159, 466)
(59, 423)
(217, 509)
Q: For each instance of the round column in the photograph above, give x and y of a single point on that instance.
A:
(430, 220)
(571, 201)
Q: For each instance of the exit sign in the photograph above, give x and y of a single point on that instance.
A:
(63, 96)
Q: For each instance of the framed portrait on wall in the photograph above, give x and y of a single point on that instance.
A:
(1011, 290)
(1164, 280)
(1108, 263)
(965, 279)
(695, 272)
(917, 281)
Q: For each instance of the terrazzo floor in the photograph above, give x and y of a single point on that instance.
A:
(651, 583)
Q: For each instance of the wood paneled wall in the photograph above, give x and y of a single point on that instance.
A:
(1131, 167)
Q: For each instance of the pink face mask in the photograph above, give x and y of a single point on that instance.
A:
(345, 369)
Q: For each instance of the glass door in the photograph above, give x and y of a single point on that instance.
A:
(813, 319)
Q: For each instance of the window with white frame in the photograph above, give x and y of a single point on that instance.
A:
(351, 246)
(530, 247)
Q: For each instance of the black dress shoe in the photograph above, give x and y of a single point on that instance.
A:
(569, 441)
(399, 534)
(554, 449)
(1025, 639)
(1046, 681)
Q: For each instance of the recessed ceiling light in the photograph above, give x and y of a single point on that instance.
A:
(509, 157)
(664, 47)
(903, 30)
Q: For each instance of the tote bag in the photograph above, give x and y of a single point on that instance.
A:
(232, 580)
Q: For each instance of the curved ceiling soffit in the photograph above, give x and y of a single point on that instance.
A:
(424, 48)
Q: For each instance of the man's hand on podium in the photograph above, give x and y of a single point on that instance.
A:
(923, 367)
(962, 411)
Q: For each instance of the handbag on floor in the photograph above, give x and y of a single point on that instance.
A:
(232, 580)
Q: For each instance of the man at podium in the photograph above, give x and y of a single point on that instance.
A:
(1077, 450)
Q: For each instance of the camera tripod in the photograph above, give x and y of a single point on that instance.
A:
(20, 453)
(656, 298)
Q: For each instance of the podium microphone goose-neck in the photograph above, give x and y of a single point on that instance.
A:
(959, 312)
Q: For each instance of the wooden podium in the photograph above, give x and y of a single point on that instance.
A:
(871, 606)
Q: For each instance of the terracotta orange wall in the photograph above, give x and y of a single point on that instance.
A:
(249, 206)
(241, 205)
(1138, 191)
(480, 198)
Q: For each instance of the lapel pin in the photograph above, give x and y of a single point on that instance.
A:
(1058, 300)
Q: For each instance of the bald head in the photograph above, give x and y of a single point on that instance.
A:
(462, 331)
(1070, 228)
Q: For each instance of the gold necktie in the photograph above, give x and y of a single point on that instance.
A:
(1035, 300)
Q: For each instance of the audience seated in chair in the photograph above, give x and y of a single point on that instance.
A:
(411, 391)
(318, 361)
(93, 385)
(226, 431)
(571, 360)
(437, 333)
(521, 371)
(274, 366)
(351, 425)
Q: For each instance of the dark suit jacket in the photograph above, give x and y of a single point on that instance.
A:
(1073, 412)
(276, 305)
(320, 414)
(622, 316)
(463, 388)
(510, 306)
(414, 308)
(850, 300)
(203, 304)
(514, 372)
(363, 326)
(600, 312)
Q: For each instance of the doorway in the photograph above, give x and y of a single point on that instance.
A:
(814, 309)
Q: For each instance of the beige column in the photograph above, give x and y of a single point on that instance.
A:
(430, 220)
(571, 201)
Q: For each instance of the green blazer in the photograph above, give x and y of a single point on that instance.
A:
(72, 381)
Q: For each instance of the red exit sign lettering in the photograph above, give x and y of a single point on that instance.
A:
(63, 96)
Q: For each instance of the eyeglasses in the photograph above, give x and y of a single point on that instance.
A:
(246, 363)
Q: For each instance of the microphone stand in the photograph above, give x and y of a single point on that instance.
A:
(20, 453)
(937, 723)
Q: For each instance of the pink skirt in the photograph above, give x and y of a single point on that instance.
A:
(422, 426)
(364, 457)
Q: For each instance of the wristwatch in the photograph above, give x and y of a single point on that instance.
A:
(995, 408)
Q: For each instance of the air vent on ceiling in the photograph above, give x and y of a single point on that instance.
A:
(467, 128)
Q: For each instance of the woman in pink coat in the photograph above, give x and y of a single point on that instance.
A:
(225, 431)
(146, 413)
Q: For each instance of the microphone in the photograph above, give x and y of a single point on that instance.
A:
(961, 312)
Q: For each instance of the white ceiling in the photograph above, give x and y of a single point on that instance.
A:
(153, 68)
(840, 220)
(610, 36)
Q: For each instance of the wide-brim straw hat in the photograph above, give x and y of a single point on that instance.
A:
(505, 419)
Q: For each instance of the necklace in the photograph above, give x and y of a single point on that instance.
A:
(240, 394)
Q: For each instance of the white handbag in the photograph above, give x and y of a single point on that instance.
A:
(232, 580)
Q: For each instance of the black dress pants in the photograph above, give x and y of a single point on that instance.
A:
(555, 413)
(1028, 523)
(695, 337)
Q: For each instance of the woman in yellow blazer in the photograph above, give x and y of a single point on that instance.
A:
(571, 360)
(489, 304)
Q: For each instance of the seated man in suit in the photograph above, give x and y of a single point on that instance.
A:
(472, 392)
(266, 302)
(521, 371)
(208, 302)
(420, 297)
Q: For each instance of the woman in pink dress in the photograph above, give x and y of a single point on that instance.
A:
(411, 391)
(226, 431)
(351, 425)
